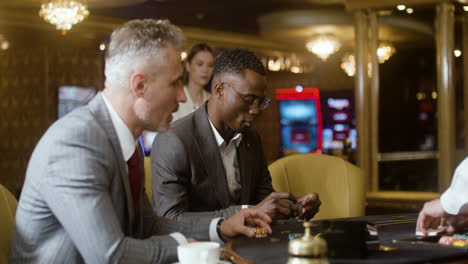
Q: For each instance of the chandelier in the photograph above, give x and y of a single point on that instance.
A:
(323, 46)
(64, 13)
(385, 51)
(348, 65)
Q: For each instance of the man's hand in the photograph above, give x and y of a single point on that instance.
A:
(244, 223)
(431, 216)
(311, 203)
(278, 205)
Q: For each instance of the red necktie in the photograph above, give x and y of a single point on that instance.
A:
(135, 174)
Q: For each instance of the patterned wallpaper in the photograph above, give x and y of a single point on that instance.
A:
(29, 79)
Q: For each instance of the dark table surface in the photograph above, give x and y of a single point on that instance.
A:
(391, 229)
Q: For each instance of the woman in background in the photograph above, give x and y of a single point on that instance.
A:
(198, 72)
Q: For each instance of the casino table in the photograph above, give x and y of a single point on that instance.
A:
(396, 243)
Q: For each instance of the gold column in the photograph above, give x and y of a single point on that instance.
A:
(445, 23)
(465, 79)
(362, 101)
(374, 100)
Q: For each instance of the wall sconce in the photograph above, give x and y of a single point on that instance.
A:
(4, 44)
(323, 46)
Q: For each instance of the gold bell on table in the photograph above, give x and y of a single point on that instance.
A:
(307, 249)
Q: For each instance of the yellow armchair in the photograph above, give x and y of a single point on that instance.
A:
(8, 206)
(340, 184)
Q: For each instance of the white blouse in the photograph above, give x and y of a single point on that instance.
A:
(189, 106)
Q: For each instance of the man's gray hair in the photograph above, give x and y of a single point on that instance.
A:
(135, 44)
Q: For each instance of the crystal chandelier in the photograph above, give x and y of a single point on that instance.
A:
(323, 46)
(385, 51)
(348, 65)
(64, 13)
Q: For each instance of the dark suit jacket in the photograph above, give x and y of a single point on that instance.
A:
(189, 180)
(76, 204)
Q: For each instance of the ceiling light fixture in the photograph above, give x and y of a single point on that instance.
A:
(457, 53)
(183, 55)
(323, 45)
(385, 51)
(4, 44)
(465, 8)
(409, 10)
(64, 13)
(401, 7)
(348, 65)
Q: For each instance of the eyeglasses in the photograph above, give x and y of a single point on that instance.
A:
(261, 102)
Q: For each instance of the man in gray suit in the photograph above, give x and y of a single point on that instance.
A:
(80, 202)
(221, 166)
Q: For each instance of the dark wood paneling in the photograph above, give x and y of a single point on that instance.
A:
(29, 78)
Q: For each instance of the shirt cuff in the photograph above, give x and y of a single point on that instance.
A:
(244, 206)
(179, 238)
(456, 196)
(213, 233)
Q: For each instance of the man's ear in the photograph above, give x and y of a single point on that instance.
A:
(138, 84)
(219, 89)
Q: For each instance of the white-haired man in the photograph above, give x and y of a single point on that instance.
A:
(83, 198)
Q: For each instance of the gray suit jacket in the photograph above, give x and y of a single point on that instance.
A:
(76, 204)
(189, 180)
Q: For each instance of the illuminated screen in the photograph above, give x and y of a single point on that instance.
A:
(71, 97)
(299, 125)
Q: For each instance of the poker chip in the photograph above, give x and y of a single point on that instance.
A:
(296, 213)
(455, 240)
(294, 235)
(260, 232)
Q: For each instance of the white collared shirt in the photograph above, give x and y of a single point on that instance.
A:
(126, 139)
(455, 199)
(128, 146)
(228, 155)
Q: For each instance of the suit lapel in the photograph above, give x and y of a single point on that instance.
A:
(209, 153)
(99, 110)
(245, 168)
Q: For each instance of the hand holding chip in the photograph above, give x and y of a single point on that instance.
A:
(309, 205)
(278, 205)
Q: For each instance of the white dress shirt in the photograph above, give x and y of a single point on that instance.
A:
(456, 196)
(128, 146)
(228, 155)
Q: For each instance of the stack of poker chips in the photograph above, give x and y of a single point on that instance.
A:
(458, 240)
(260, 232)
